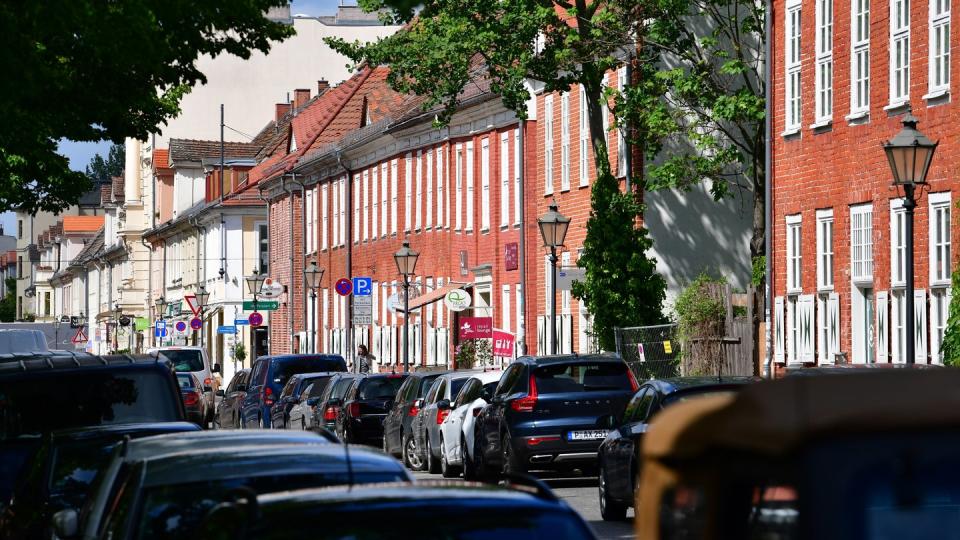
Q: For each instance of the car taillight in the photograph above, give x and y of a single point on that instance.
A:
(208, 382)
(526, 404)
(413, 410)
(267, 395)
(533, 441)
(442, 415)
(634, 385)
(354, 410)
(330, 414)
(191, 398)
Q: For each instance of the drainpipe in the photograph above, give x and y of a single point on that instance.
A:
(303, 236)
(349, 270)
(257, 264)
(223, 252)
(767, 193)
(522, 323)
(149, 276)
(290, 302)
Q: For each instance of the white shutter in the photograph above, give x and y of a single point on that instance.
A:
(431, 346)
(807, 325)
(833, 326)
(444, 344)
(417, 344)
(394, 357)
(542, 335)
(919, 328)
(567, 333)
(375, 348)
(778, 330)
(883, 328)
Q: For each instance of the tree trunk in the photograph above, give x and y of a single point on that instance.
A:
(757, 242)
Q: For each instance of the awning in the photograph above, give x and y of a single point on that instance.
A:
(436, 294)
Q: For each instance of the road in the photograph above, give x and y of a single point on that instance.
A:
(581, 494)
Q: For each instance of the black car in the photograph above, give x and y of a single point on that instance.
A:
(365, 405)
(268, 376)
(328, 406)
(60, 473)
(228, 410)
(551, 412)
(47, 393)
(398, 438)
(422, 510)
(291, 395)
(618, 453)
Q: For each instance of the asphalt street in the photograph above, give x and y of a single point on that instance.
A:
(581, 494)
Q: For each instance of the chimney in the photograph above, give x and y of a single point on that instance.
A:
(282, 109)
(300, 97)
(322, 86)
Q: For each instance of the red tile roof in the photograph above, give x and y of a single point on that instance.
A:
(161, 158)
(196, 150)
(74, 224)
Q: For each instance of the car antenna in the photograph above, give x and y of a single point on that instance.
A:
(346, 452)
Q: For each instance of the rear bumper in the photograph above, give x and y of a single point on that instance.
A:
(555, 454)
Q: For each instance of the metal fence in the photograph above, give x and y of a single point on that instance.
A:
(652, 352)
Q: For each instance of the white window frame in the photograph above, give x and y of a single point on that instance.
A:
(794, 254)
(823, 93)
(356, 209)
(505, 179)
(825, 253)
(898, 243)
(861, 243)
(898, 307)
(899, 51)
(565, 141)
(442, 202)
(548, 144)
(584, 140)
(308, 220)
(366, 205)
(335, 240)
(343, 210)
(859, 59)
(394, 195)
(792, 62)
(428, 218)
(418, 218)
(324, 215)
(374, 202)
(485, 184)
(505, 308)
(469, 223)
(940, 298)
(516, 178)
(384, 198)
(458, 163)
(408, 192)
(939, 49)
(940, 232)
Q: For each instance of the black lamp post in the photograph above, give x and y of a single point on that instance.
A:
(161, 304)
(553, 228)
(56, 332)
(202, 297)
(118, 311)
(314, 274)
(909, 154)
(406, 260)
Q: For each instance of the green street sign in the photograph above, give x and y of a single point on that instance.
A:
(262, 305)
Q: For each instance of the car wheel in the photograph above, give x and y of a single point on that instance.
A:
(410, 456)
(510, 464)
(303, 424)
(469, 471)
(433, 466)
(446, 469)
(609, 510)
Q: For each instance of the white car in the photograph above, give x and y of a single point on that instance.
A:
(457, 443)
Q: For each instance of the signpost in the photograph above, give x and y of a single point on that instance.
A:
(503, 344)
(161, 329)
(271, 288)
(192, 303)
(265, 305)
(343, 287)
(196, 323)
(457, 300)
(566, 277)
(241, 322)
(255, 319)
(362, 286)
(476, 327)
(362, 310)
(181, 326)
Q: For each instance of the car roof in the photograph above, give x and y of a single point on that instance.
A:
(238, 462)
(316, 374)
(673, 384)
(198, 440)
(486, 377)
(176, 348)
(389, 375)
(119, 430)
(81, 361)
(304, 356)
(423, 374)
(569, 358)
(457, 375)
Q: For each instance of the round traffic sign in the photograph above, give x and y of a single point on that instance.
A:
(196, 323)
(181, 326)
(343, 287)
(256, 319)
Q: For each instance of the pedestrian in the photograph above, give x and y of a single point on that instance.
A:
(364, 359)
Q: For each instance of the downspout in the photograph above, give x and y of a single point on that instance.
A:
(149, 277)
(349, 273)
(303, 236)
(522, 328)
(257, 264)
(768, 192)
(290, 302)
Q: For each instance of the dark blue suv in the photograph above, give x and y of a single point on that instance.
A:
(551, 412)
(268, 376)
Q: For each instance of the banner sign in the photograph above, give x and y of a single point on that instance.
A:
(503, 344)
(476, 327)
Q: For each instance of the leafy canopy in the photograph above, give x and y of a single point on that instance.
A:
(88, 70)
(103, 170)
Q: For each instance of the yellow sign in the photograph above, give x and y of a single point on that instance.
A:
(667, 348)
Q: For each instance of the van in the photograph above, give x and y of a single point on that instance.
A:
(193, 360)
(268, 376)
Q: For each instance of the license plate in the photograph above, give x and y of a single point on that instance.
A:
(589, 435)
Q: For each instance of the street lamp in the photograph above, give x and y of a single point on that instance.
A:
(161, 303)
(116, 325)
(202, 297)
(553, 228)
(909, 154)
(314, 274)
(406, 260)
(56, 332)
(254, 283)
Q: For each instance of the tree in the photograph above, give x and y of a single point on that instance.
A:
(89, 70)
(951, 334)
(103, 170)
(8, 305)
(453, 43)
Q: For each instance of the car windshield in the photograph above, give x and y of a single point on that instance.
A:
(176, 511)
(288, 367)
(581, 377)
(185, 380)
(380, 387)
(85, 399)
(184, 359)
(75, 467)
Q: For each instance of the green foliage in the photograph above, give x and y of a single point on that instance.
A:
(103, 170)
(951, 335)
(759, 270)
(89, 70)
(473, 352)
(239, 352)
(700, 311)
(8, 305)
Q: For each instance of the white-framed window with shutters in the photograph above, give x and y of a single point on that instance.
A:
(384, 198)
(418, 217)
(823, 92)
(374, 202)
(861, 243)
(793, 329)
(336, 213)
(324, 216)
(505, 308)
(408, 192)
(366, 205)
(565, 141)
(458, 175)
(825, 249)
(859, 59)
(828, 326)
(518, 288)
(794, 258)
(621, 137)
(394, 195)
(485, 184)
(343, 210)
(939, 230)
(792, 67)
(428, 219)
(939, 81)
(356, 209)
(939, 311)
(899, 52)
(584, 128)
(442, 204)
(898, 243)
(548, 143)
(308, 212)
(469, 205)
(505, 179)
(516, 178)
(898, 326)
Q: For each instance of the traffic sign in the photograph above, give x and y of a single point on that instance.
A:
(362, 310)
(192, 304)
(226, 329)
(255, 319)
(161, 328)
(266, 305)
(196, 323)
(181, 326)
(343, 287)
(362, 286)
(240, 322)
(80, 337)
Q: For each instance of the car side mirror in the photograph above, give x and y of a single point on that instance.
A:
(418, 403)
(443, 405)
(312, 402)
(65, 523)
(496, 400)
(221, 393)
(216, 367)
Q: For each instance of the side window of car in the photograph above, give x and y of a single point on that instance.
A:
(509, 379)
(308, 390)
(121, 509)
(632, 412)
(290, 386)
(434, 390)
(259, 373)
(644, 410)
(467, 393)
(406, 390)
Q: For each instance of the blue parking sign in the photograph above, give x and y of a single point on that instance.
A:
(362, 286)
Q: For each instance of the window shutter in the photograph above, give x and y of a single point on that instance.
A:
(778, 329)
(443, 347)
(807, 325)
(431, 346)
(393, 345)
(920, 325)
(883, 326)
(833, 326)
(566, 323)
(541, 335)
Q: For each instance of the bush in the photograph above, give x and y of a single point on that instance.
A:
(702, 314)
(473, 352)
(951, 335)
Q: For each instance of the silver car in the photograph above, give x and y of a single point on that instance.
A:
(193, 360)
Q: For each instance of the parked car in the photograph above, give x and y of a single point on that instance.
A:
(59, 474)
(19, 341)
(434, 410)
(268, 376)
(196, 399)
(89, 518)
(290, 397)
(42, 394)
(397, 435)
(618, 454)
(365, 405)
(167, 496)
(456, 444)
(302, 414)
(328, 406)
(552, 412)
(192, 360)
(231, 399)
(422, 510)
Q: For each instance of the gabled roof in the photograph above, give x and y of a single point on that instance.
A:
(161, 158)
(192, 150)
(82, 224)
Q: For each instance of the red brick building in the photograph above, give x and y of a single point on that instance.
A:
(843, 76)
